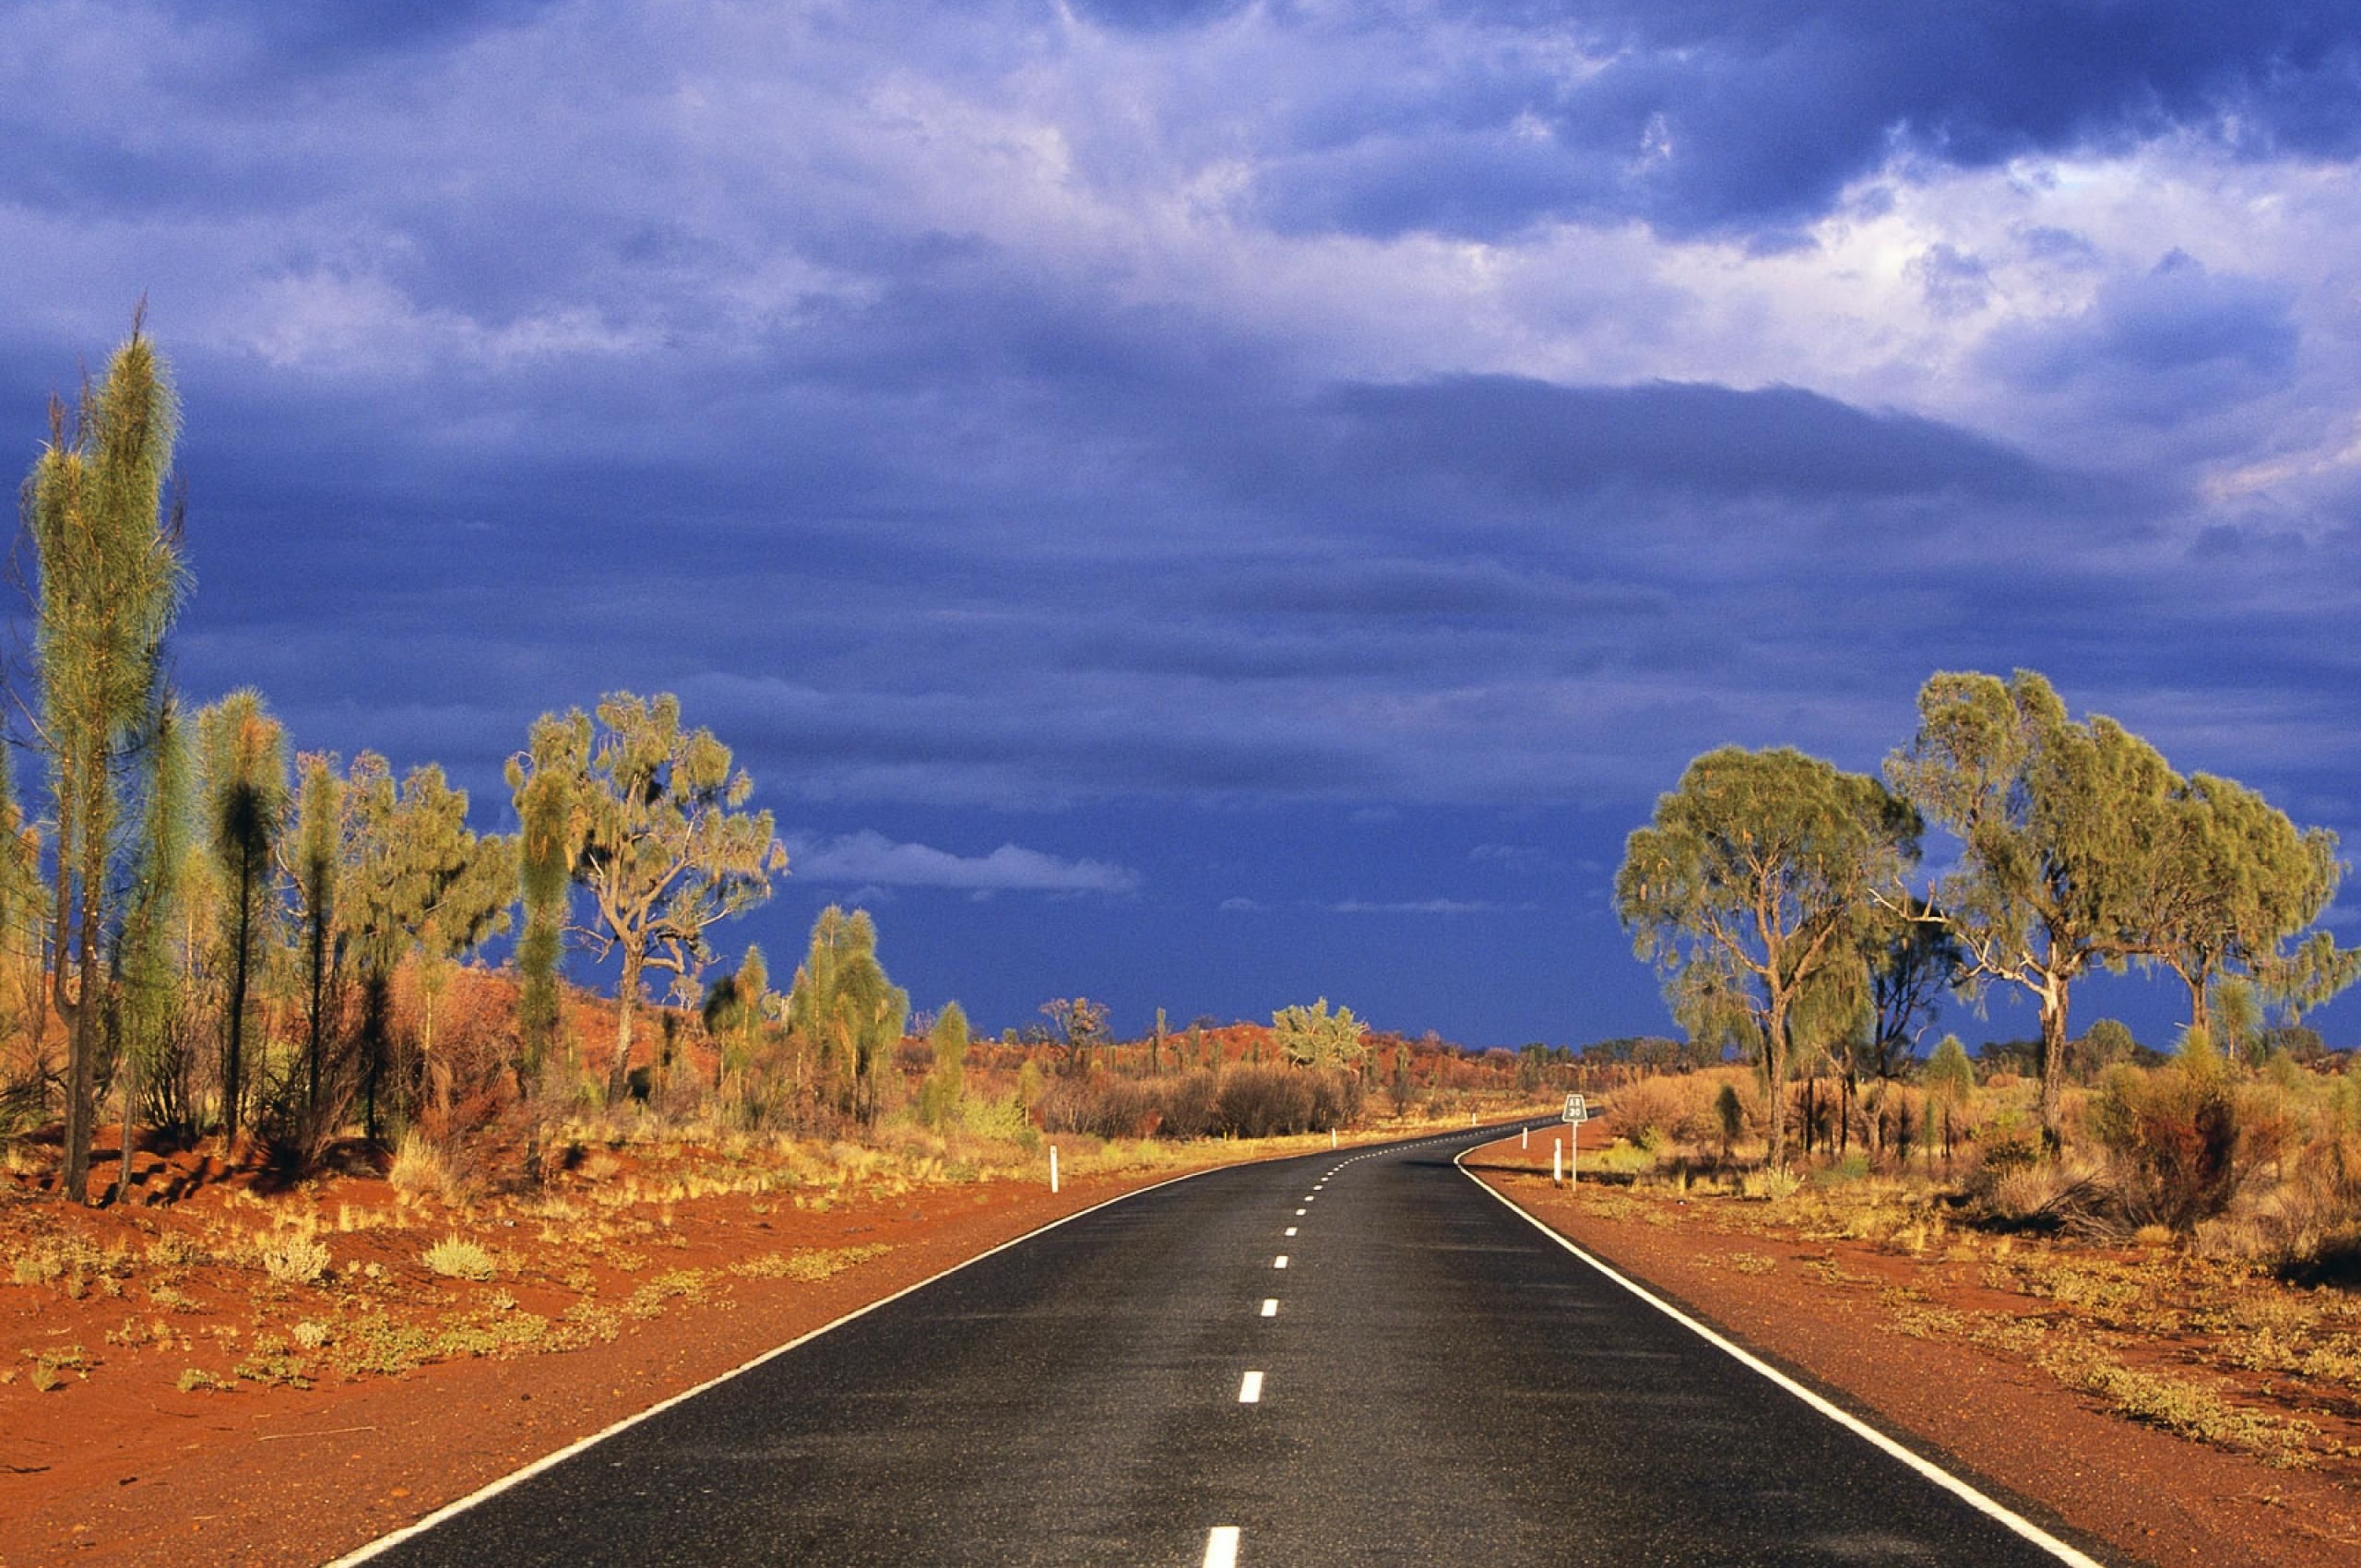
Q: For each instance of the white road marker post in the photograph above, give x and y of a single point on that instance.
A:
(1332, 1137)
(1556, 1160)
(1524, 1138)
(1053, 1170)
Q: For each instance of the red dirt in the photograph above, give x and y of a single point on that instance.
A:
(118, 1465)
(2006, 1424)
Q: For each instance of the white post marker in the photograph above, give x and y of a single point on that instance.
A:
(1053, 1168)
(1574, 1153)
(1524, 1138)
(1556, 1160)
(1332, 1137)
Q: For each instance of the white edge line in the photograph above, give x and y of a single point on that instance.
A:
(1850, 1422)
(485, 1493)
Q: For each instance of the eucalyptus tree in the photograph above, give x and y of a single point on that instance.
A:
(2064, 824)
(241, 753)
(1751, 887)
(2240, 884)
(659, 837)
(846, 1011)
(109, 581)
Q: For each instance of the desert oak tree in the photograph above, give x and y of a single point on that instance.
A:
(1751, 883)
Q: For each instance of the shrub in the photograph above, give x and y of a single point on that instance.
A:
(420, 1168)
(455, 1258)
(1190, 1104)
(2174, 1137)
(293, 1257)
(1101, 1107)
(1263, 1102)
(1648, 1112)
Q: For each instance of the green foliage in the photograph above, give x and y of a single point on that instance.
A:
(108, 583)
(657, 836)
(1313, 1037)
(1751, 891)
(242, 791)
(946, 1083)
(845, 1010)
(545, 849)
(1949, 1076)
(2066, 825)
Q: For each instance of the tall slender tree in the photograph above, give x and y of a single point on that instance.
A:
(243, 752)
(540, 785)
(109, 582)
(318, 860)
(845, 1010)
(150, 978)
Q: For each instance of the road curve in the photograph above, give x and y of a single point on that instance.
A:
(1426, 1377)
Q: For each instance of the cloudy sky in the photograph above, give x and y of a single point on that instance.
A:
(1209, 504)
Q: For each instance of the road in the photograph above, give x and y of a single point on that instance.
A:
(1426, 1378)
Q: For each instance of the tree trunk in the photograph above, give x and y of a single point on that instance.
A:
(1774, 1053)
(233, 1046)
(626, 1004)
(2053, 1063)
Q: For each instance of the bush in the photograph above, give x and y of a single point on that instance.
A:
(1190, 1104)
(293, 1258)
(1263, 1102)
(455, 1258)
(2173, 1134)
(1101, 1107)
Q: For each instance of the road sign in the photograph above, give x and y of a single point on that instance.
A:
(1576, 1111)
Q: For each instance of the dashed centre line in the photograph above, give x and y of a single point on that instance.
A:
(1250, 1389)
(1291, 1229)
(1298, 1213)
(1279, 1262)
(1221, 1547)
(1270, 1306)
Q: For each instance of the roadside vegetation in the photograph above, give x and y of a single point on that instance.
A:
(2172, 1230)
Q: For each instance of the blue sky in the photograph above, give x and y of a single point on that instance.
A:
(1207, 505)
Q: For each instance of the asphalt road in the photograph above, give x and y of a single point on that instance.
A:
(1439, 1383)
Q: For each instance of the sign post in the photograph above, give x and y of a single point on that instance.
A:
(1576, 1114)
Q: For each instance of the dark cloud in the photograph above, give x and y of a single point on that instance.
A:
(1706, 116)
(2175, 342)
(1533, 439)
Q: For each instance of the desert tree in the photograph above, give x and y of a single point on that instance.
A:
(1080, 1025)
(539, 783)
(946, 1081)
(317, 858)
(1313, 1037)
(735, 1009)
(146, 1015)
(660, 840)
(1949, 1081)
(845, 1012)
(418, 885)
(241, 753)
(1750, 886)
(2239, 884)
(2064, 824)
(108, 582)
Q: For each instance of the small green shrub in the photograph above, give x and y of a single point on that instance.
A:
(455, 1258)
